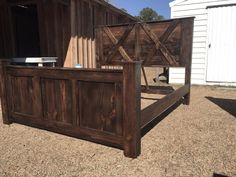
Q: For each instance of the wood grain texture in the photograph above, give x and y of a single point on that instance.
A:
(84, 103)
(131, 106)
(159, 107)
(4, 92)
(154, 43)
(66, 28)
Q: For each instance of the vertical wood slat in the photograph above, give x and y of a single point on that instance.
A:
(80, 32)
(74, 49)
(131, 108)
(4, 91)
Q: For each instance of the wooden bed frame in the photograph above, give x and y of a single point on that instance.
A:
(99, 105)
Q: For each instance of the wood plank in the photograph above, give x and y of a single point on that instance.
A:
(74, 48)
(4, 92)
(153, 111)
(118, 44)
(131, 108)
(169, 58)
(115, 41)
(186, 53)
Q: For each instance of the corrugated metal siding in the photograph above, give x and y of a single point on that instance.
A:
(198, 9)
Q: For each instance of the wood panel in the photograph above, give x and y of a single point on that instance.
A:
(104, 113)
(24, 96)
(57, 100)
(159, 43)
(85, 103)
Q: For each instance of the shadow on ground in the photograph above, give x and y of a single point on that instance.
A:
(219, 175)
(228, 105)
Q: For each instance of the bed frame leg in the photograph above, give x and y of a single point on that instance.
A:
(131, 108)
(3, 91)
(186, 100)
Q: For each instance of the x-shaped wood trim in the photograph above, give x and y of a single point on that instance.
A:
(163, 39)
(159, 45)
(117, 43)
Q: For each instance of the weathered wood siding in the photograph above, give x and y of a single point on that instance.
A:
(88, 15)
(66, 28)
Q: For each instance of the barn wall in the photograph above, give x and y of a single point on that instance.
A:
(6, 49)
(54, 28)
(66, 29)
(87, 15)
(196, 8)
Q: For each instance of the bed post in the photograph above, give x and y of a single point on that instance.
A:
(3, 91)
(131, 108)
(186, 50)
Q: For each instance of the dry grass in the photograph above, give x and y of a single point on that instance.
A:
(192, 141)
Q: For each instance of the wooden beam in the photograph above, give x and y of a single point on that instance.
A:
(115, 41)
(137, 42)
(163, 39)
(117, 44)
(74, 48)
(131, 108)
(186, 53)
(159, 46)
(4, 91)
(153, 111)
(169, 30)
(145, 78)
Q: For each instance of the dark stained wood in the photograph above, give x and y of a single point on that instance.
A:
(131, 106)
(145, 78)
(65, 27)
(83, 103)
(159, 43)
(118, 43)
(186, 51)
(167, 55)
(101, 114)
(4, 91)
(98, 105)
(157, 108)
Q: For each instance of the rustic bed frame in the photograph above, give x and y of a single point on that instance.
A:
(101, 105)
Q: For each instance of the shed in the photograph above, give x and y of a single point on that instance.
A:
(55, 28)
(214, 41)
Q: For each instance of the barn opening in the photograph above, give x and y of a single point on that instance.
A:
(25, 30)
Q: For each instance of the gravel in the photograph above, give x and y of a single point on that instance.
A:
(197, 140)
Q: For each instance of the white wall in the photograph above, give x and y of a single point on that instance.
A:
(196, 8)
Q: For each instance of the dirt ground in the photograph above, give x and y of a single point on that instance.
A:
(194, 141)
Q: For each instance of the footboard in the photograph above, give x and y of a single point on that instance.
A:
(96, 105)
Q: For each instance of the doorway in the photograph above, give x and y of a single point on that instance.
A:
(25, 30)
(221, 44)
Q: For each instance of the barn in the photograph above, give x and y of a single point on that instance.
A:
(55, 28)
(214, 41)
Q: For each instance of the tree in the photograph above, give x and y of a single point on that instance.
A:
(108, 1)
(148, 14)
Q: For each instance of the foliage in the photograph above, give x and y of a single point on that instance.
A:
(148, 14)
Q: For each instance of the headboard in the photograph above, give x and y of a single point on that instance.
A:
(164, 43)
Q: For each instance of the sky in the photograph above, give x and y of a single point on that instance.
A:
(135, 6)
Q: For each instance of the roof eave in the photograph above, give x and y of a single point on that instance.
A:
(116, 9)
(173, 3)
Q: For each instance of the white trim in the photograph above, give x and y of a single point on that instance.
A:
(173, 3)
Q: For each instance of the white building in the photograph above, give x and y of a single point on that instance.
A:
(214, 41)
